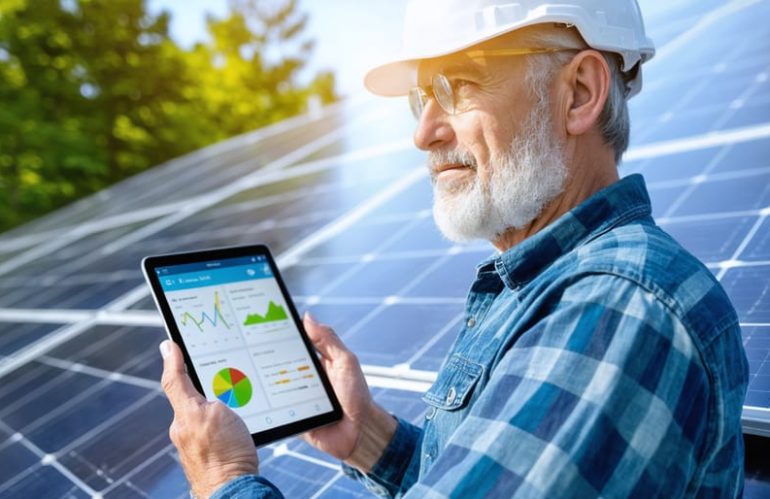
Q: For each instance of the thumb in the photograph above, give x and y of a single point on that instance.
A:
(324, 339)
(175, 381)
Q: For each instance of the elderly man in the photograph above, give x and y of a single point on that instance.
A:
(598, 358)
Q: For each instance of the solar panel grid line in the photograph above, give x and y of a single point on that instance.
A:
(63, 316)
(110, 222)
(369, 256)
(99, 225)
(723, 215)
(709, 177)
(742, 246)
(704, 22)
(326, 486)
(282, 449)
(699, 141)
(379, 300)
(387, 148)
(42, 346)
(169, 450)
(189, 208)
(59, 409)
(39, 251)
(100, 373)
(450, 326)
(679, 201)
(392, 299)
(106, 423)
(45, 459)
(221, 194)
(291, 256)
(738, 103)
(213, 151)
(122, 303)
(377, 376)
(353, 216)
(684, 101)
(736, 264)
(324, 140)
(399, 377)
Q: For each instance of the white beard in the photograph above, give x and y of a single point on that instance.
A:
(523, 181)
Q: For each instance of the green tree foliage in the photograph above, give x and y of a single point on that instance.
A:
(92, 91)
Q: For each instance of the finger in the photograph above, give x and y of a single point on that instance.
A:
(175, 381)
(323, 338)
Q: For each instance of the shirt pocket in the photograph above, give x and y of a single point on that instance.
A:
(454, 384)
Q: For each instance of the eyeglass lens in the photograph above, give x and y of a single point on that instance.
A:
(442, 91)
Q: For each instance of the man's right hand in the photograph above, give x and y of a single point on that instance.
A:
(365, 429)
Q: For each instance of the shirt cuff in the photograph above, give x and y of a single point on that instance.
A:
(391, 473)
(247, 487)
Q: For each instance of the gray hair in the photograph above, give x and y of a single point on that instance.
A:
(614, 121)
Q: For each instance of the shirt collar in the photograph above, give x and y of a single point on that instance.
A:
(619, 203)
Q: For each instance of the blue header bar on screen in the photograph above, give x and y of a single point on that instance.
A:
(213, 264)
(188, 280)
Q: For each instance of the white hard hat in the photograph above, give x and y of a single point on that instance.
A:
(434, 28)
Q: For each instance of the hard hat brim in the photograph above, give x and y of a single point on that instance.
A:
(395, 78)
(392, 79)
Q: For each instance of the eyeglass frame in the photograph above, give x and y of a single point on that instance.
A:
(419, 95)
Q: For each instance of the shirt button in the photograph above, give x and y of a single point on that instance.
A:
(451, 395)
(431, 413)
(471, 322)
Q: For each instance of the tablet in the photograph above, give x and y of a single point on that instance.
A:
(242, 340)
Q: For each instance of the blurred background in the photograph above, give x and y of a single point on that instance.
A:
(138, 127)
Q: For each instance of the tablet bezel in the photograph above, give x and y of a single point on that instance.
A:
(149, 266)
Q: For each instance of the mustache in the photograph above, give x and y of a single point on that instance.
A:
(448, 157)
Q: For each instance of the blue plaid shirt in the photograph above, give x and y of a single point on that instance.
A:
(598, 358)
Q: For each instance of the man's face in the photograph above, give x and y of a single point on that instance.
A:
(495, 164)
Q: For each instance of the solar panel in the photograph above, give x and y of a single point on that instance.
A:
(344, 202)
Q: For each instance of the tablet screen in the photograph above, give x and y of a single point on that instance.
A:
(242, 340)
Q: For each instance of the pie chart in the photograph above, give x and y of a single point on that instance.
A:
(232, 387)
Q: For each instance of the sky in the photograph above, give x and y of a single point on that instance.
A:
(350, 35)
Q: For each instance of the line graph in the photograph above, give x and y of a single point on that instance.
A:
(205, 317)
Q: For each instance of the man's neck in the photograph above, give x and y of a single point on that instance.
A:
(588, 174)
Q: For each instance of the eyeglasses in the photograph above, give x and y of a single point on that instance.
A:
(442, 89)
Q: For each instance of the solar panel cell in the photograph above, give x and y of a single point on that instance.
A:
(748, 288)
(14, 336)
(119, 448)
(42, 481)
(711, 240)
(15, 458)
(397, 332)
(81, 413)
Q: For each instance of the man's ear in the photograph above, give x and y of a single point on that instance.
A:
(587, 82)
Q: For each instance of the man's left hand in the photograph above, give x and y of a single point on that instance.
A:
(213, 442)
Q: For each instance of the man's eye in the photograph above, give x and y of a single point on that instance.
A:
(460, 83)
(462, 87)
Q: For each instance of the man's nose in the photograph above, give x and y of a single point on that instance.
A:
(433, 128)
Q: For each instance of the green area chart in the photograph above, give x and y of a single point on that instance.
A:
(274, 313)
